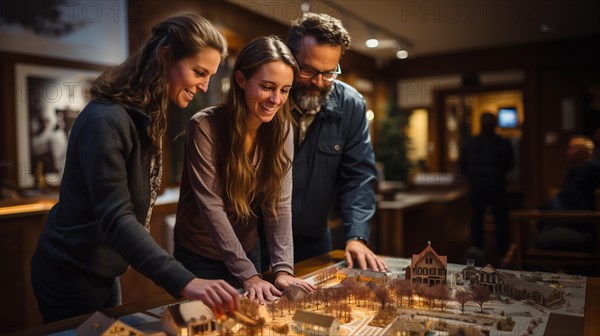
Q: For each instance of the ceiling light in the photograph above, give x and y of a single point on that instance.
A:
(372, 42)
(548, 28)
(305, 7)
(401, 54)
(375, 36)
(370, 115)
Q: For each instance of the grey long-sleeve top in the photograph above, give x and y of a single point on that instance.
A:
(206, 223)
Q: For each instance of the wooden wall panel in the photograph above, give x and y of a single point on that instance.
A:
(551, 70)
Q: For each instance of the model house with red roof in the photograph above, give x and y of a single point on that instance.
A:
(427, 267)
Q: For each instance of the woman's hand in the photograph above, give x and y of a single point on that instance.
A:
(218, 295)
(283, 280)
(259, 289)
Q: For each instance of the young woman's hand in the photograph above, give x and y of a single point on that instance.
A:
(261, 290)
(283, 280)
(218, 295)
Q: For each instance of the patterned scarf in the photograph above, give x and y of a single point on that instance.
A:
(155, 179)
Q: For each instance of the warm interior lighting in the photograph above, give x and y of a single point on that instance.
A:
(305, 7)
(401, 54)
(372, 42)
(27, 208)
(548, 28)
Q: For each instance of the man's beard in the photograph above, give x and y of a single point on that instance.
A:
(306, 101)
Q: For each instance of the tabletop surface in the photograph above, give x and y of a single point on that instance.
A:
(592, 300)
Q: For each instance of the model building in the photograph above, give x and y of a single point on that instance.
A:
(100, 324)
(427, 267)
(190, 318)
(423, 295)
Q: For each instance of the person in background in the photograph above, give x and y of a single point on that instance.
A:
(334, 160)
(100, 225)
(577, 193)
(237, 172)
(485, 160)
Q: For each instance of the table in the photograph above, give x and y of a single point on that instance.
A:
(403, 225)
(592, 300)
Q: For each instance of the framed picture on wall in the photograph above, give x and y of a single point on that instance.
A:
(48, 99)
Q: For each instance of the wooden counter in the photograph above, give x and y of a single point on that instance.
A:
(20, 227)
(406, 223)
(591, 322)
(29, 208)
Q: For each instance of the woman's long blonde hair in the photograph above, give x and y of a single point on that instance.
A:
(141, 81)
(244, 185)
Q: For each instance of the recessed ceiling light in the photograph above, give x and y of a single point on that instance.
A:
(305, 7)
(548, 28)
(401, 54)
(372, 43)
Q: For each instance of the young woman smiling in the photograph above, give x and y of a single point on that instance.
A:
(237, 173)
(100, 225)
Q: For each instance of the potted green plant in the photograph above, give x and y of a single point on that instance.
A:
(391, 149)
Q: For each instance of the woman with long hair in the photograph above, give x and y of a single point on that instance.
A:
(100, 225)
(237, 176)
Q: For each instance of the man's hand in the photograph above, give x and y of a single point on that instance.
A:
(357, 250)
(217, 295)
(283, 280)
(259, 289)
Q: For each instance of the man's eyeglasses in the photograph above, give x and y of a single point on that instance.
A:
(328, 76)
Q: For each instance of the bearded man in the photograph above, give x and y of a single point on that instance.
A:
(334, 163)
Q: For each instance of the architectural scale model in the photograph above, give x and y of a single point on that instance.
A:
(427, 267)
(102, 325)
(190, 318)
(421, 296)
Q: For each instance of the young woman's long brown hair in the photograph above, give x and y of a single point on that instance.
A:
(141, 81)
(244, 185)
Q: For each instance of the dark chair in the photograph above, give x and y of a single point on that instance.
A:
(528, 257)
